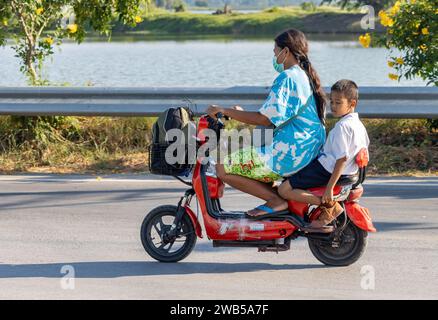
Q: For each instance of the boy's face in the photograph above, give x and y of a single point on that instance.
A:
(340, 105)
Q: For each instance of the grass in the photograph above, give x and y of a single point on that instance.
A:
(324, 19)
(119, 145)
(80, 145)
(402, 147)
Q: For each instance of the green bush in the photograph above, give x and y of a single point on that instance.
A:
(308, 6)
(102, 144)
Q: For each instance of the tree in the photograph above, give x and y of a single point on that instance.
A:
(179, 6)
(38, 25)
(227, 8)
(412, 38)
(27, 21)
(411, 35)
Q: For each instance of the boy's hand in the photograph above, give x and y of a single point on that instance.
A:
(328, 195)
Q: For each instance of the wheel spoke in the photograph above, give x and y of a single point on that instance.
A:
(184, 234)
(156, 229)
(161, 223)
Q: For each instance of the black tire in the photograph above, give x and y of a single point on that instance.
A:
(352, 245)
(160, 253)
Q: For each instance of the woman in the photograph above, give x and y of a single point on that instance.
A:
(297, 97)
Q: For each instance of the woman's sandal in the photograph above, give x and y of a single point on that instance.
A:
(262, 207)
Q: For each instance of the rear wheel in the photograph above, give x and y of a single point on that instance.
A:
(344, 250)
(156, 239)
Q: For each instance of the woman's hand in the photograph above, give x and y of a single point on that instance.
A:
(327, 196)
(213, 110)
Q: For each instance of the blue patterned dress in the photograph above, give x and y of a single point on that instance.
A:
(296, 144)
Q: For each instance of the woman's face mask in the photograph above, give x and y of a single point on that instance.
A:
(279, 67)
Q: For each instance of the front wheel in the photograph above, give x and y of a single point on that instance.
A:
(345, 250)
(156, 239)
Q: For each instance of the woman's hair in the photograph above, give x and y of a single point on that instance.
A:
(296, 41)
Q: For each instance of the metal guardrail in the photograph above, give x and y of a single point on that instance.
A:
(375, 102)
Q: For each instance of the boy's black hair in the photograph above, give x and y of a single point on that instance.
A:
(347, 88)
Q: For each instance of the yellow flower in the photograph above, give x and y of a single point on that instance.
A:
(392, 76)
(395, 9)
(138, 19)
(48, 40)
(399, 60)
(385, 20)
(365, 40)
(72, 28)
(391, 64)
(39, 11)
(423, 47)
(425, 31)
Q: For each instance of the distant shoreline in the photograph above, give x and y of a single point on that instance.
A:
(324, 20)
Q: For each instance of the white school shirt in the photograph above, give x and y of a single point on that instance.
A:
(344, 140)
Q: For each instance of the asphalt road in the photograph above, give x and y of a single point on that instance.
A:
(51, 225)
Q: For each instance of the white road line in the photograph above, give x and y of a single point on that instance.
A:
(401, 184)
(405, 182)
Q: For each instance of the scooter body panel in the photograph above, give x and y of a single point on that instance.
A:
(360, 216)
(238, 228)
(195, 221)
(246, 229)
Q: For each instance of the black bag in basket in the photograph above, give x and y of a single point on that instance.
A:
(173, 118)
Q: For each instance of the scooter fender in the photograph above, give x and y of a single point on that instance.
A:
(195, 221)
(360, 216)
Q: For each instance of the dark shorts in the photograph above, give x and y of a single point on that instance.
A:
(311, 176)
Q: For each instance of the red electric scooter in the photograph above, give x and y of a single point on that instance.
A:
(169, 233)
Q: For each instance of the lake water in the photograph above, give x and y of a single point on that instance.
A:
(198, 63)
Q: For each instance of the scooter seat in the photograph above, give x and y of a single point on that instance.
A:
(347, 180)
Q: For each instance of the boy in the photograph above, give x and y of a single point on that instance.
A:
(337, 158)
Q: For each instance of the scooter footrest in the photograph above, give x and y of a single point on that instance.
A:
(276, 214)
(286, 215)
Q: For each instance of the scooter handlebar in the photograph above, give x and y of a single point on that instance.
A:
(220, 115)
